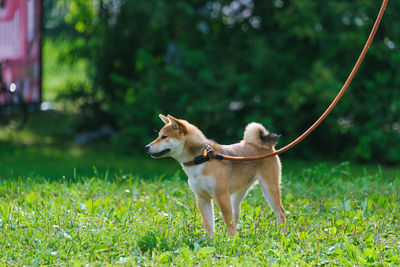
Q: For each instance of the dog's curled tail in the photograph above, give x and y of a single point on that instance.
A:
(256, 134)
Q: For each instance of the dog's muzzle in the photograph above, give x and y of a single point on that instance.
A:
(158, 154)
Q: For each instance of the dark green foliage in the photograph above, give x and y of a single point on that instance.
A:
(147, 242)
(281, 66)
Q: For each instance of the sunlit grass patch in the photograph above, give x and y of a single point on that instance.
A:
(58, 71)
(333, 218)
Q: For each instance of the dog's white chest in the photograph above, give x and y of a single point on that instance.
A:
(200, 184)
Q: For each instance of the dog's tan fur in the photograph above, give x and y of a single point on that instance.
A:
(227, 182)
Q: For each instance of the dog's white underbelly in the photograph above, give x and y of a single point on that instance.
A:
(201, 185)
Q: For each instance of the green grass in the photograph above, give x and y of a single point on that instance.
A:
(333, 217)
(62, 204)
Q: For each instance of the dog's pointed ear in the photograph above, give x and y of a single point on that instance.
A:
(163, 118)
(178, 124)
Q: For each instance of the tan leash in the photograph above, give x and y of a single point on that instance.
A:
(208, 153)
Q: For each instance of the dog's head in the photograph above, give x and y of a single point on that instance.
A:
(170, 140)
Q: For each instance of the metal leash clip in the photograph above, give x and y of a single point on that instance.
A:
(205, 155)
(207, 150)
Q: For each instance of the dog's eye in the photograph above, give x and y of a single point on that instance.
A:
(164, 137)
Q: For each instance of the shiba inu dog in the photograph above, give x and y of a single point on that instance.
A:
(227, 182)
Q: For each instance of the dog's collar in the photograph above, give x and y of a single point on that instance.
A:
(207, 154)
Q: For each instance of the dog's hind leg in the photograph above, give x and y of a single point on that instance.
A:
(207, 213)
(271, 191)
(236, 199)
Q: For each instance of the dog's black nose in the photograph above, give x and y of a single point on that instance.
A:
(147, 148)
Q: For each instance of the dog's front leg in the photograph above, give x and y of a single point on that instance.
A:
(225, 206)
(207, 214)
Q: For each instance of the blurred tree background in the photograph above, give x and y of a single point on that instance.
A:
(222, 64)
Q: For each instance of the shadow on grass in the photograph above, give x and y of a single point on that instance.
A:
(45, 147)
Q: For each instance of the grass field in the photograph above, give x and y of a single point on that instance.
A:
(333, 217)
(67, 204)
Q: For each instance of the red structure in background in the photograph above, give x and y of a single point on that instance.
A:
(20, 46)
